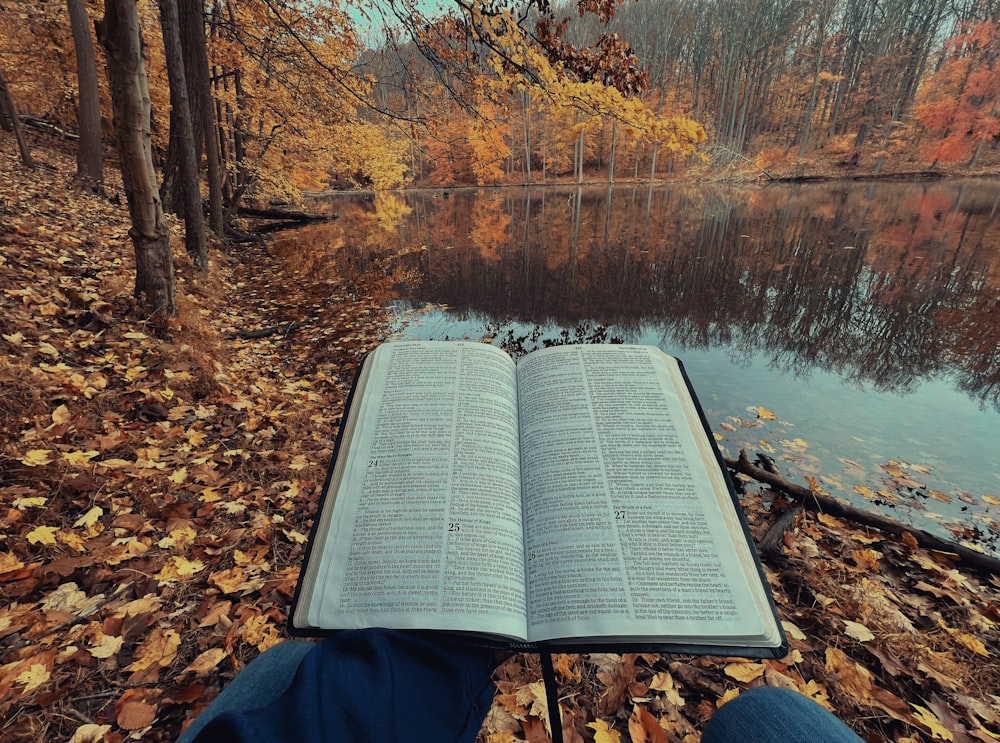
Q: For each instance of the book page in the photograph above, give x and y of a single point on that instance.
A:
(426, 527)
(630, 528)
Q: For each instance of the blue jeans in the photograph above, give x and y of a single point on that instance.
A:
(761, 715)
(264, 679)
(769, 714)
(356, 686)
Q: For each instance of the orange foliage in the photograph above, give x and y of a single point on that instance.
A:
(960, 101)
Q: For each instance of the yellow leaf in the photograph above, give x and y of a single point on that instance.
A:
(564, 664)
(9, 563)
(180, 567)
(206, 662)
(72, 539)
(931, 723)
(42, 535)
(992, 500)
(792, 630)
(864, 490)
(973, 643)
(61, 415)
(295, 536)
(764, 413)
(14, 338)
(229, 581)
(662, 681)
(79, 458)
(158, 650)
(603, 733)
(90, 517)
(107, 646)
(745, 672)
(35, 501)
(796, 443)
(90, 733)
(178, 476)
(34, 677)
(37, 457)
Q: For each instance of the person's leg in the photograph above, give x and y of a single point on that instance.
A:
(264, 679)
(770, 714)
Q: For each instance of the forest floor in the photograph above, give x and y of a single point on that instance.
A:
(157, 484)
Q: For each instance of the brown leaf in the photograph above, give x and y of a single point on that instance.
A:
(136, 715)
(643, 727)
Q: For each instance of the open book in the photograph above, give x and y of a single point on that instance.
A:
(575, 498)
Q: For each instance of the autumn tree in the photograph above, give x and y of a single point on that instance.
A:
(120, 35)
(89, 149)
(960, 102)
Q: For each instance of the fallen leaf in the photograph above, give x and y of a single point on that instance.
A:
(42, 535)
(643, 727)
(604, 733)
(90, 517)
(90, 733)
(206, 662)
(927, 719)
(107, 646)
(858, 631)
(37, 458)
(136, 715)
(79, 458)
(973, 643)
(33, 677)
(744, 672)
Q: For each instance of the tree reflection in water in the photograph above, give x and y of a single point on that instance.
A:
(884, 285)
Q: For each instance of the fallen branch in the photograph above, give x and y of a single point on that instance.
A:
(825, 504)
(286, 215)
(285, 329)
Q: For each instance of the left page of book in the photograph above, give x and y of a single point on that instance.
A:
(422, 525)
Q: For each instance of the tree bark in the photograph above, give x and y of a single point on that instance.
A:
(10, 114)
(194, 222)
(89, 162)
(119, 34)
(194, 44)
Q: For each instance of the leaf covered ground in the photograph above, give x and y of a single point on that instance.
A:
(157, 484)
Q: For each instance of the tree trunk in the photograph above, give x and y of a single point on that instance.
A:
(89, 163)
(194, 44)
(9, 111)
(119, 34)
(194, 222)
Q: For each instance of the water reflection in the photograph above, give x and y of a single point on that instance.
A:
(868, 317)
(883, 285)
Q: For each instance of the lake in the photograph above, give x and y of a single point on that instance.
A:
(851, 331)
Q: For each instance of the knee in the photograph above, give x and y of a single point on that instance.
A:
(769, 713)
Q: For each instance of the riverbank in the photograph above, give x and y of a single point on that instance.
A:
(158, 484)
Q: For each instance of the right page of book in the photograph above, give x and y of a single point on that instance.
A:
(630, 528)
